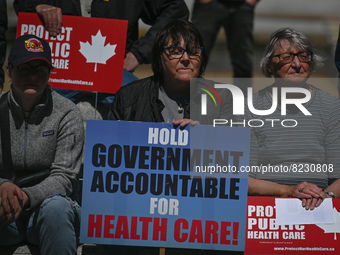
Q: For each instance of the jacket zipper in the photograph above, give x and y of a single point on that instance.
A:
(25, 144)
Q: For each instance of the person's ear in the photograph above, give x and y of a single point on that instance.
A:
(270, 69)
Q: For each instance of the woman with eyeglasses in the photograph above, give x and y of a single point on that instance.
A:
(178, 56)
(299, 158)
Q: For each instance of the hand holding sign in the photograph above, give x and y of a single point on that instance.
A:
(154, 196)
(74, 50)
(51, 17)
(130, 62)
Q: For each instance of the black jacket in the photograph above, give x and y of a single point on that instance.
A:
(68, 7)
(138, 101)
(3, 42)
(155, 13)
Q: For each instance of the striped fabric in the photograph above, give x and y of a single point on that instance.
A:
(310, 151)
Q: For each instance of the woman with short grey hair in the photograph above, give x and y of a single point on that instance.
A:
(296, 39)
(301, 158)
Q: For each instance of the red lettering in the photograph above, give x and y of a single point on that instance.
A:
(159, 229)
(95, 225)
(225, 232)
(145, 226)
(235, 232)
(122, 227)
(108, 226)
(211, 228)
(196, 232)
(122, 230)
(134, 235)
(177, 230)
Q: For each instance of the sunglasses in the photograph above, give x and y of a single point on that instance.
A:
(41, 71)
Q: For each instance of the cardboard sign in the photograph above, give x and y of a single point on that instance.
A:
(265, 237)
(152, 184)
(87, 55)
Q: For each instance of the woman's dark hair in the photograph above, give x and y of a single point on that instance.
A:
(174, 31)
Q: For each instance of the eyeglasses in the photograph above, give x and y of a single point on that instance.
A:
(178, 52)
(40, 71)
(286, 58)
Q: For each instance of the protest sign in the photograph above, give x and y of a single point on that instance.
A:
(87, 55)
(140, 189)
(266, 237)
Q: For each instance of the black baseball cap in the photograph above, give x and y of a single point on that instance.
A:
(29, 47)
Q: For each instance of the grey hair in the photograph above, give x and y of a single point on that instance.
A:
(296, 39)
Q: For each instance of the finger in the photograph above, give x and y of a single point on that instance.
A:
(185, 123)
(59, 20)
(196, 122)
(322, 195)
(309, 188)
(308, 203)
(313, 203)
(302, 195)
(20, 195)
(16, 216)
(18, 211)
(3, 216)
(318, 202)
(8, 193)
(6, 205)
(13, 198)
(3, 196)
(46, 20)
(314, 192)
(178, 122)
(10, 221)
(304, 202)
(10, 217)
(16, 206)
(12, 203)
(47, 15)
(54, 23)
(51, 24)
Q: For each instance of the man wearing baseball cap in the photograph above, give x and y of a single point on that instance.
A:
(41, 146)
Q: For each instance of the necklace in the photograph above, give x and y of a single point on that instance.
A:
(180, 108)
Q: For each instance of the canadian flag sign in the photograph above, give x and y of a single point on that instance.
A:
(264, 236)
(87, 55)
